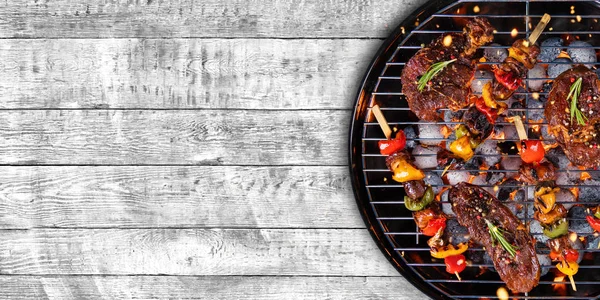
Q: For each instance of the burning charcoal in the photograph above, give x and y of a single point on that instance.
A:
(538, 71)
(495, 176)
(435, 181)
(589, 191)
(592, 243)
(550, 49)
(506, 188)
(516, 109)
(557, 157)
(545, 263)
(456, 176)
(476, 257)
(568, 175)
(481, 78)
(473, 164)
(582, 52)
(453, 116)
(577, 221)
(494, 53)
(457, 233)
(537, 231)
(566, 198)
(425, 158)
(524, 211)
(446, 205)
(411, 135)
(508, 148)
(489, 148)
(430, 134)
(487, 260)
(536, 110)
(558, 66)
(511, 164)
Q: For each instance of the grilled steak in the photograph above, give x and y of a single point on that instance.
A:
(580, 142)
(450, 88)
(473, 206)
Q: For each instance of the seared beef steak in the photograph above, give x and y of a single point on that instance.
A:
(474, 208)
(579, 141)
(450, 88)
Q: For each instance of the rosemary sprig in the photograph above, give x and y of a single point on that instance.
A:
(431, 72)
(574, 94)
(498, 236)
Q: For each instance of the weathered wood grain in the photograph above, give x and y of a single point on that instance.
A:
(323, 252)
(182, 73)
(153, 197)
(211, 287)
(208, 18)
(142, 137)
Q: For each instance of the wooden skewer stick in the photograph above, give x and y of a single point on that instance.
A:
(458, 276)
(382, 122)
(572, 282)
(538, 29)
(520, 128)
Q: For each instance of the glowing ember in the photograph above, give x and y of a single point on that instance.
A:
(535, 95)
(447, 41)
(476, 9)
(559, 287)
(403, 30)
(502, 293)
(573, 237)
(514, 32)
(550, 29)
(578, 17)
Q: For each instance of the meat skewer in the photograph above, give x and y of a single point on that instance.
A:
(440, 75)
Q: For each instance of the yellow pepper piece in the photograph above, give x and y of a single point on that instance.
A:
(519, 55)
(404, 172)
(549, 200)
(568, 269)
(487, 96)
(462, 148)
(449, 250)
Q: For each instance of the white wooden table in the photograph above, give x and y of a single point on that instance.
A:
(186, 149)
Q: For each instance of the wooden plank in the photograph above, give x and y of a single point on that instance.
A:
(182, 73)
(208, 18)
(206, 137)
(172, 196)
(322, 252)
(206, 287)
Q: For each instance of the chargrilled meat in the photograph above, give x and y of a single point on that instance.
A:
(450, 88)
(579, 141)
(474, 207)
(510, 73)
(415, 189)
(532, 174)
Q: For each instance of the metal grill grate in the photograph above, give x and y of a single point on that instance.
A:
(380, 198)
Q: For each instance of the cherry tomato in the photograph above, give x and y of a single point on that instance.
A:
(455, 263)
(490, 113)
(433, 226)
(594, 223)
(532, 151)
(389, 147)
(570, 255)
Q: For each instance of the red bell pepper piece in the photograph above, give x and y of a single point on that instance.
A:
(594, 223)
(389, 147)
(507, 79)
(570, 255)
(455, 263)
(532, 151)
(433, 226)
(490, 113)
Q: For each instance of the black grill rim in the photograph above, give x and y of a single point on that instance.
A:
(357, 125)
(355, 148)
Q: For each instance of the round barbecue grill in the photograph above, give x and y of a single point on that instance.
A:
(380, 199)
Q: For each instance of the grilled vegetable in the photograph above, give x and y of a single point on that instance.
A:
(448, 250)
(557, 229)
(419, 204)
(414, 189)
(462, 148)
(455, 264)
(403, 171)
(388, 147)
(433, 226)
(568, 268)
(532, 151)
(490, 113)
(594, 222)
